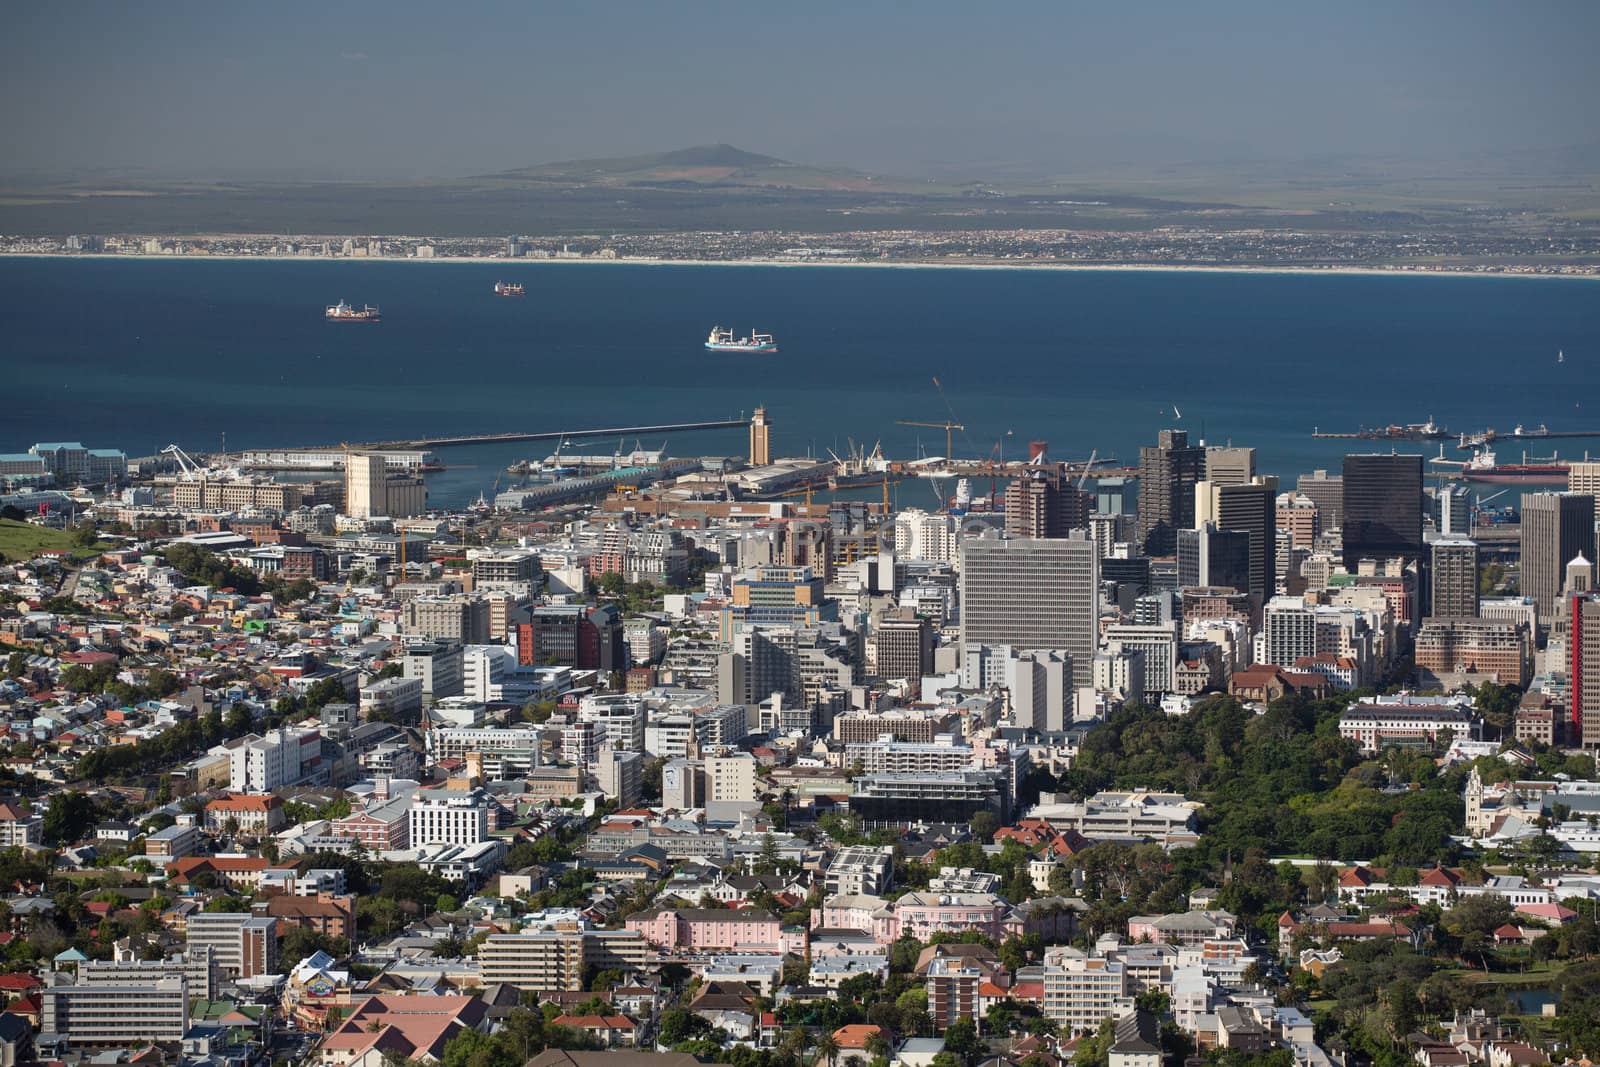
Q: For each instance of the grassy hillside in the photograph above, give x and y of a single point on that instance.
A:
(20, 541)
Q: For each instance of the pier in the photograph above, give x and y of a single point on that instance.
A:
(541, 435)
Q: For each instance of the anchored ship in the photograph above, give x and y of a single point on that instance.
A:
(1482, 467)
(342, 312)
(508, 289)
(723, 341)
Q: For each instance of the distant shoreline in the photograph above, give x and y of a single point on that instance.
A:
(1046, 265)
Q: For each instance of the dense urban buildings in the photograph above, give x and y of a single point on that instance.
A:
(674, 725)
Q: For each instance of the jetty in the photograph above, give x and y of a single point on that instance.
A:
(459, 440)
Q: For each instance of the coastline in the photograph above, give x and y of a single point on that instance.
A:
(1046, 265)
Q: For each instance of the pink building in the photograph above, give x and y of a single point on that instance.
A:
(924, 914)
(849, 911)
(695, 929)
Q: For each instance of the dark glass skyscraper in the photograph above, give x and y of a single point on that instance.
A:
(1382, 508)
(1167, 476)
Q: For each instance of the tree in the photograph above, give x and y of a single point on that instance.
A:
(69, 817)
(961, 1038)
(984, 824)
(828, 1047)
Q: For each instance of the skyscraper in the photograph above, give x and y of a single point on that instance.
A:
(1212, 557)
(1382, 508)
(1452, 510)
(760, 441)
(1168, 472)
(1033, 593)
(1555, 528)
(1454, 592)
(1327, 494)
(1250, 508)
(366, 477)
(1045, 503)
(1583, 637)
(1230, 466)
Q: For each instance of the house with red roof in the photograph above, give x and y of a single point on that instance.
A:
(251, 813)
(852, 1041)
(400, 1026)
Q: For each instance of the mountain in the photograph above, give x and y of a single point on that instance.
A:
(704, 166)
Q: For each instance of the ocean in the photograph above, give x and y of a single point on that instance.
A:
(137, 354)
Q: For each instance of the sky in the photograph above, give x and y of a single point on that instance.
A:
(409, 89)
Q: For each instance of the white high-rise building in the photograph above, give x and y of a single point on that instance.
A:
(483, 668)
(922, 535)
(366, 477)
(731, 778)
(1289, 631)
(272, 762)
(1080, 991)
(449, 817)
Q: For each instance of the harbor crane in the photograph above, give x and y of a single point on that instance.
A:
(188, 468)
(946, 426)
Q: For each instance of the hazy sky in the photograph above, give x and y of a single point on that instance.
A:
(406, 88)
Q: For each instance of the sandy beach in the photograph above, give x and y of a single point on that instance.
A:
(942, 264)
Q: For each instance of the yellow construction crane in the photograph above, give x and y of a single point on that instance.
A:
(946, 426)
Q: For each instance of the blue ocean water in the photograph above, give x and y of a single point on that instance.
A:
(134, 354)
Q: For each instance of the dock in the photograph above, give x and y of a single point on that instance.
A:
(541, 435)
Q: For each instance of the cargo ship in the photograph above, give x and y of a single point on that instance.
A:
(1482, 467)
(508, 289)
(342, 312)
(723, 341)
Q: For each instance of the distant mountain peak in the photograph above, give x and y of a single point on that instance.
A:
(718, 155)
(723, 166)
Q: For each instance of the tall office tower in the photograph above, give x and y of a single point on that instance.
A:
(1583, 640)
(1298, 516)
(1167, 476)
(1555, 528)
(1045, 503)
(1382, 508)
(1252, 508)
(1327, 494)
(905, 646)
(1212, 557)
(366, 479)
(1584, 477)
(1033, 593)
(760, 440)
(1230, 466)
(1454, 593)
(1452, 511)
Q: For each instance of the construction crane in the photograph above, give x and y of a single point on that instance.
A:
(946, 426)
(1094, 454)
